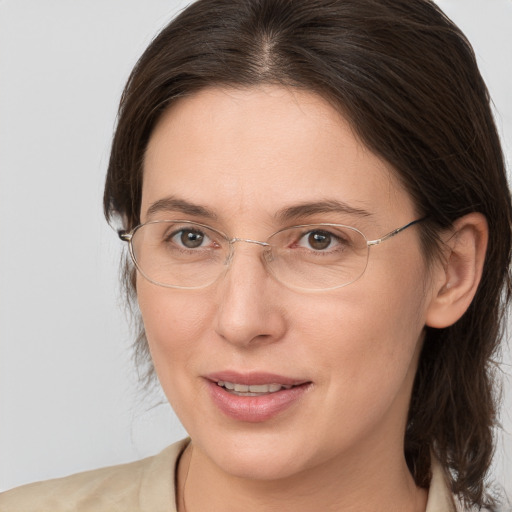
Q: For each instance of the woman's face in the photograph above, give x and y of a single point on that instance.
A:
(237, 160)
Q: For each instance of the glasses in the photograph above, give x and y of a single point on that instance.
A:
(188, 255)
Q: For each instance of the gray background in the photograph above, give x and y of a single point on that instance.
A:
(69, 399)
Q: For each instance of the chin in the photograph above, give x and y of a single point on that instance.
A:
(256, 457)
(261, 466)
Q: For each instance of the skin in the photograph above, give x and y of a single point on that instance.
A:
(246, 154)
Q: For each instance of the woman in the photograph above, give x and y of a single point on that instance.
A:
(315, 201)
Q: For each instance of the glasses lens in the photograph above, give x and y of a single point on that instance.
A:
(182, 254)
(179, 254)
(318, 257)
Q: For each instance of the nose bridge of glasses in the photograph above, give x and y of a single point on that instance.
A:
(249, 241)
(235, 240)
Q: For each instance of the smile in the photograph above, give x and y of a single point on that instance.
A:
(256, 396)
(251, 390)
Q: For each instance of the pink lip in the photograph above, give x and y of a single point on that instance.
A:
(254, 378)
(255, 409)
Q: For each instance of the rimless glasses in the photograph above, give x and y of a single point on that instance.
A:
(188, 255)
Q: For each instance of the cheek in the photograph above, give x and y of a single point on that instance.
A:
(379, 334)
(365, 339)
(173, 321)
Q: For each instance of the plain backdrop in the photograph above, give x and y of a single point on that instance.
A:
(69, 397)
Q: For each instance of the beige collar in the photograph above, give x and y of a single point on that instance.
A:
(440, 499)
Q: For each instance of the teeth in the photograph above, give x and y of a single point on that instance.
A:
(253, 390)
(264, 388)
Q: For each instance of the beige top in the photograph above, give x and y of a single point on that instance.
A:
(143, 486)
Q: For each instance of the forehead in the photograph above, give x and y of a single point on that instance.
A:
(256, 151)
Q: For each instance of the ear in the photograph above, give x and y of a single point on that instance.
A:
(458, 275)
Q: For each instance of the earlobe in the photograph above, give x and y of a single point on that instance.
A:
(458, 275)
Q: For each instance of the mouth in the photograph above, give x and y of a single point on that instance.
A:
(252, 390)
(255, 397)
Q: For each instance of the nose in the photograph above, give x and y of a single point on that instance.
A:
(250, 306)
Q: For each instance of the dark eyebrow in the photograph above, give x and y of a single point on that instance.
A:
(327, 206)
(172, 204)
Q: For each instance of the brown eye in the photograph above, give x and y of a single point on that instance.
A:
(191, 239)
(319, 240)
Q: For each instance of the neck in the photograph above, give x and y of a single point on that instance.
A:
(376, 484)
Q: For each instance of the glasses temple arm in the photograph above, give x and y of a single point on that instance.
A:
(394, 232)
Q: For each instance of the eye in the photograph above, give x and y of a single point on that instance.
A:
(319, 240)
(190, 238)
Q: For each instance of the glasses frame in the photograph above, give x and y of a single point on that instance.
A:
(127, 236)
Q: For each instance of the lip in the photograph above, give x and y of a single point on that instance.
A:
(255, 409)
(254, 378)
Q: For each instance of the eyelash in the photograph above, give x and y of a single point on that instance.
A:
(176, 233)
(335, 241)
(299, 240)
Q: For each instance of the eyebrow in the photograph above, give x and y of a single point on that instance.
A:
(313, 208)
(307, 209)
(173, 204)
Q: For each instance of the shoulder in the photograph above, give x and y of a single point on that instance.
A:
(144, 485)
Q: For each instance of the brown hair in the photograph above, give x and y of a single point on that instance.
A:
(407, 79)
